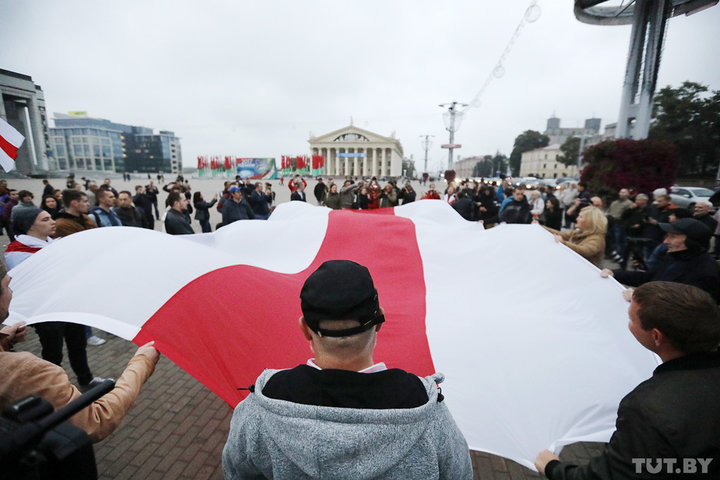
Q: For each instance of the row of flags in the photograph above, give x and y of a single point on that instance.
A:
(10, 142)
(229, 166)
(302, 164)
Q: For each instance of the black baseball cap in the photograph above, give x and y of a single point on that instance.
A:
(693, 229)
(340, 290)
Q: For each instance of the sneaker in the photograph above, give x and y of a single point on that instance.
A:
(95, 341)
(95, 381)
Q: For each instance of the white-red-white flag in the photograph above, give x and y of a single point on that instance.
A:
(533, 343)
(10, 141)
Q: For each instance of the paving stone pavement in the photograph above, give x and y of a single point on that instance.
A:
(177, 427)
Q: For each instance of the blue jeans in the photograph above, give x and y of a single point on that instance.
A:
(205, 226)
(620, 239)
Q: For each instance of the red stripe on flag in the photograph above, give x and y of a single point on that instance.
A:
(226, 327)
(8, 148)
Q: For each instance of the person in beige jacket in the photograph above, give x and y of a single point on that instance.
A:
(23, 374)
(588, 239)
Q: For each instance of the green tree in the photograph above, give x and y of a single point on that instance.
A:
(641, 165)
(571, 151)
(689, 117)
(484, 167)
(526, 141)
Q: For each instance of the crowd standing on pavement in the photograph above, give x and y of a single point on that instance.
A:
(668, 256)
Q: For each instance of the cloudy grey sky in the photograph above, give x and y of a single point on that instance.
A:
(256, 78)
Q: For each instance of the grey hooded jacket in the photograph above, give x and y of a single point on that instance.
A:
(279, 439)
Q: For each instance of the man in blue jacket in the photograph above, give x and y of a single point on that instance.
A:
(236, 207)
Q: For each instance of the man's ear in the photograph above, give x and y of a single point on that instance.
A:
(658, 337)
(304, 328)
(379, 325)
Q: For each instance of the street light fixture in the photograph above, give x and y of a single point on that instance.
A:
(453, 119)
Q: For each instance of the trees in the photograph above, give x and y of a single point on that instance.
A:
(526, 141)
(642, 165)
(689, 117)
(571, 151)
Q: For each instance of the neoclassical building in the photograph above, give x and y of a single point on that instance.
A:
(357, 152)
(544, 162)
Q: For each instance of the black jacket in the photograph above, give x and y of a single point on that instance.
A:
(673, 415)
(298, 196)
(516, 212)
(202, 209)
(691, 267)
(177, 223)
(130, 217)
(260, 203)
(320, 191)
(392, 388)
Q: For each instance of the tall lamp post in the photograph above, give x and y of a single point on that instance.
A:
(453, 119)
(426, 145)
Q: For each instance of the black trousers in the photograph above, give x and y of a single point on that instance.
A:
(51, 338)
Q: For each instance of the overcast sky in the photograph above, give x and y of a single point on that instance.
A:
(254, 79)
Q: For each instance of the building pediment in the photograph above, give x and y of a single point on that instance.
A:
(352, 134)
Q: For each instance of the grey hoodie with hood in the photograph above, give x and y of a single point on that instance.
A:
(278, 439)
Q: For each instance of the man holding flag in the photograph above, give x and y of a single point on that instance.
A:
(341, 415)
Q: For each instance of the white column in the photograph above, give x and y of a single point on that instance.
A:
(356, 164)
(375, 163)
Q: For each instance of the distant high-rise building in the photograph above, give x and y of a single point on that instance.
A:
(593, 124)
(80, 142)
(22, 105)
(553, 123)
(558, 135)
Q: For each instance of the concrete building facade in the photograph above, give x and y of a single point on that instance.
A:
(82, 143)
(543, 163)
(353, 151)
(559, 134)
(22, 105)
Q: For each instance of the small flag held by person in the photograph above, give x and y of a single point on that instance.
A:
(10, 141)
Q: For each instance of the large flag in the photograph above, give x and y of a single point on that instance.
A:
(533, 342)
(10, 142)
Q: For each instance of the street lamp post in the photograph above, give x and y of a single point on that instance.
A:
(426, 146)
(452, 118)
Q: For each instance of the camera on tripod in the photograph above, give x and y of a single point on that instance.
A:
(36, 443)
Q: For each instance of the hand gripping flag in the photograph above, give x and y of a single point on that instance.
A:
(533, 343)
(10, 141)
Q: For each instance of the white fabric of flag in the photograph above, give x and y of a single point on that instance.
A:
(10, 142)
(533, 343)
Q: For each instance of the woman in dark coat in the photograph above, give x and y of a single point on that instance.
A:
(202, 213)
(552, 215)
(487, 209)
(50, 204)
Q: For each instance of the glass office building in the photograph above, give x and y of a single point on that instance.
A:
(82, 143)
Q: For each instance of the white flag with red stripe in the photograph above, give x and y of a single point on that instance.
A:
(10, 141)
(533, 343)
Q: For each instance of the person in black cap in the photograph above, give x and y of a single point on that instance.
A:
(236, 207)
(686, 260)
(341, 415)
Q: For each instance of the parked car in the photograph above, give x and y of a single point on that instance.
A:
(527, 183)
(687, 197)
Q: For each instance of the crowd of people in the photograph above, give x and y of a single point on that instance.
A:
(673, 312)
